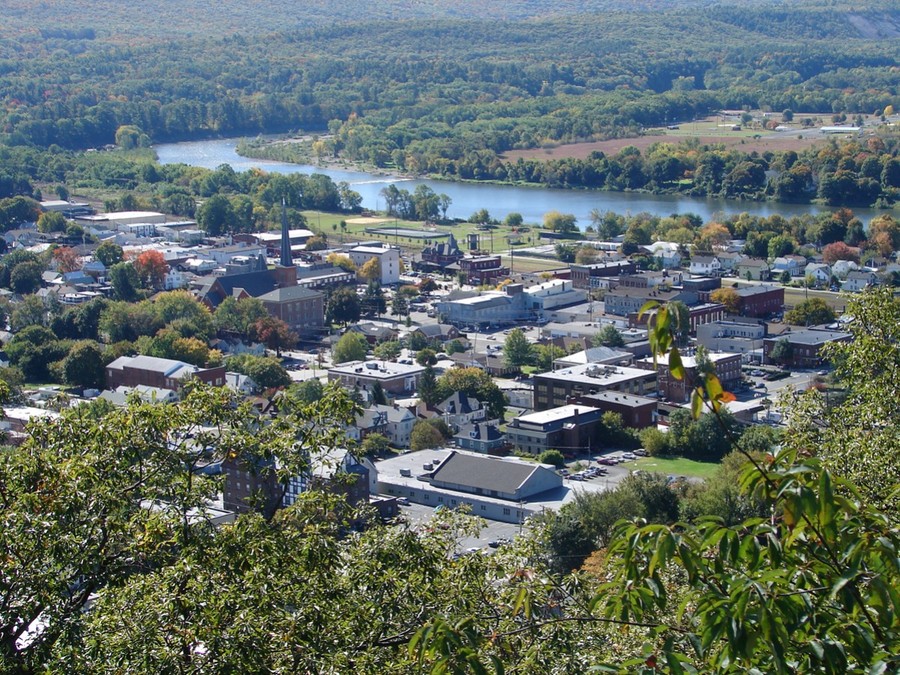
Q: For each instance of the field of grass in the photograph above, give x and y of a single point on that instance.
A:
(677, 466)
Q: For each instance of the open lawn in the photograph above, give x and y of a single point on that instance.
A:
(677, 466)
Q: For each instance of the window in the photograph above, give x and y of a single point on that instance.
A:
(505, 511)
(483, 507)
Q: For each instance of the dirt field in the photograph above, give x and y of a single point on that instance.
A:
(369, 221)
(706, 131)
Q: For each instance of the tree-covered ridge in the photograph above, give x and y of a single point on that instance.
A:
(90, 19)
(561, 78)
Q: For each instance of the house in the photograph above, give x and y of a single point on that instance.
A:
(459, 409)
(792, 264)
(132, 371)
(374, 332)
(841, 268)
(729, 260)
(392, 421)
(668, 253)
(484, 437)
(859, 280)
(242, 384)
(755, 269)
(820, 273)
(442, 332)
(705, 265)
(568, 428)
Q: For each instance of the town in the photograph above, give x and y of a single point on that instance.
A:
(503, 392)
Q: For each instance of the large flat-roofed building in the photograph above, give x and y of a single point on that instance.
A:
(387, 256)
(482, 269)
(301, 308)
(638, 412)
(568, 428)
(588, 276)
(116, 218)
(737, 337)
(505, 489)
(554, 389)
(727, 366)
(131, 371)
(806, 346)
(395, 378)
(761, 300)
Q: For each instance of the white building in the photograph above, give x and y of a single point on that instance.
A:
(388, 257)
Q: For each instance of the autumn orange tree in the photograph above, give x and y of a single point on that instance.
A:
(151, 268)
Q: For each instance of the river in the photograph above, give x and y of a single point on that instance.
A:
(499, 200)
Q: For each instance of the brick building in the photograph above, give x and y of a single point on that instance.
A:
(588, 276)
(481, 270)
(556, 388)
(568, 428)
(301, 308)
(395, 378)
(131, 371)
(727, 367)
(638, 412)
(758, 301)
(806, 346)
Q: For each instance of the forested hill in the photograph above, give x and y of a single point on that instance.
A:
(124, 22)
(73, 73)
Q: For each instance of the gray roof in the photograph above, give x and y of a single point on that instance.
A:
(486, 473)
(458, 403)
(289, 293)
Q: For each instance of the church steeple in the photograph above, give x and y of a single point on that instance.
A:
(287, 260)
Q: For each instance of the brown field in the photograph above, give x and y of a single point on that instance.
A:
(706, 131)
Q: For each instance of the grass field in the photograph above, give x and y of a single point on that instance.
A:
(677, 466)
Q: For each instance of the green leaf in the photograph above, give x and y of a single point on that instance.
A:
(675, 365)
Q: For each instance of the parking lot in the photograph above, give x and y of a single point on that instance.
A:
(419, 515)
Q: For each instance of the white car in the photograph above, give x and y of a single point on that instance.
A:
(629, 455)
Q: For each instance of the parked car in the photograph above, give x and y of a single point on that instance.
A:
(640, 452)
(403, 501)
(607, 461)
(629, 455)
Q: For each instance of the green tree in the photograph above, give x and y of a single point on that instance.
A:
(810, 312)
(238, 315)
(26, 277)
(306, 392)
(124, 281)
(373, 301)
(553, 458)
(426, 357)
(782, 352)
(84, 365)
(560, 222)
(517, 350)
(375, 445)
(388, 350)
(428, 388)
(351, 347)
(51, 221)
(216, 215)
(343, 306)
(609, 336)
(266, 371)
(546, 354)
(109, 253)
(399, 305)
(274, 334)
(424, 436)
(476, 383)
(30, 311)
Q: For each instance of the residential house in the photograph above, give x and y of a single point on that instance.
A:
(484, 437)
(705, 265)
(841, 268)
(729, 261)
(793, 264)
(442, 332)
(755, 269)
(668, 253)
(240, 383)
(392, 421)
(459, 409)
(820, 273)
(859, 280)
(121, 395)
(374, 332)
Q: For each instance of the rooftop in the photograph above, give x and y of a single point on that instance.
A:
(473, 470)
(377, 369)
(597, 375)
(563, 412)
